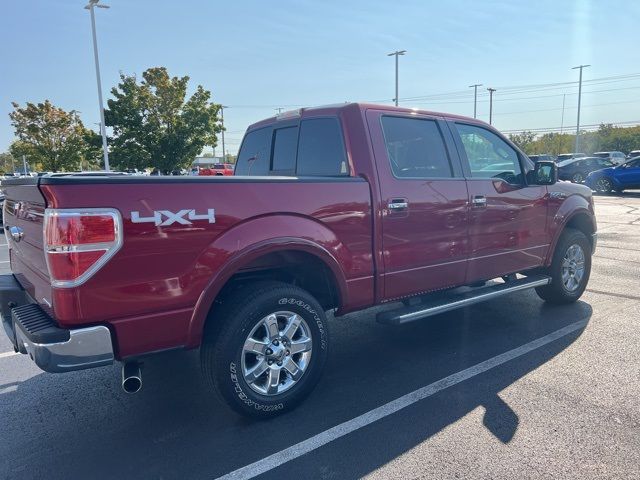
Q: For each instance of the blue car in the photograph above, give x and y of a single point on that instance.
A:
(618, 178)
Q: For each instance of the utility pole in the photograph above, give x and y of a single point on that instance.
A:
(491, 90)
(475, 97)
(279, 110)
(396, 54)
(577, 147)
(564, 97)
(103, 130)
(224, 152)
(24, 163)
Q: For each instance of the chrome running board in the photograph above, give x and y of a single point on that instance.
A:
(454, 301)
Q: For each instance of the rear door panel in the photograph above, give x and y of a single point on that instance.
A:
(425, 243)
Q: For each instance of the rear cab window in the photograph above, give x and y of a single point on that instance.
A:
(285, 145)
(310, 147)
(254, 155)
(321, 150)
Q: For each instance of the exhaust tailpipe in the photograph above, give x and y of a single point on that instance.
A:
(131, 377)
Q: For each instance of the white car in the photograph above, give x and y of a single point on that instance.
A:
(615, 157)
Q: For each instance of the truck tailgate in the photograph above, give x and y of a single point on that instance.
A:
(24, 209)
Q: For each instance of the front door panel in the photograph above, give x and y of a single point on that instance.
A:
(507, 218)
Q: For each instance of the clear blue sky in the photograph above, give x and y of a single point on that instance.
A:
(256, 55)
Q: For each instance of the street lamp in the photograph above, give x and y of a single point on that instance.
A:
(491, 90)
(397, 53)
(103, 130)
(475, 97)
(579, 99)
(224, 153)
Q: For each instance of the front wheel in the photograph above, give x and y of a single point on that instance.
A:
(265, 349)
(570, 269)
(577, 178)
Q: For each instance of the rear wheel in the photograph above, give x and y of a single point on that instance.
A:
(265, 349)
(604, 185)
(577, 178)
(569, 270)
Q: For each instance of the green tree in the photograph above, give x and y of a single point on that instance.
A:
(523, 139)
(7, 162)
(49, 136)
(154, 124)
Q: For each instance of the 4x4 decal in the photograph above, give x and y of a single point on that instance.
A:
(171, 217)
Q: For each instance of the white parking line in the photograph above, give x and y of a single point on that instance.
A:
(317, 441)
(8, 354)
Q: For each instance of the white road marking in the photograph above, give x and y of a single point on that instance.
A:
(7, 354)
(321, 439)
(5, 261)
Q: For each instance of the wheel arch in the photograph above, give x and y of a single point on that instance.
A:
(304, 259)
(578, 215)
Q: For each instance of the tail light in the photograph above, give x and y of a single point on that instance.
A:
(79, 242)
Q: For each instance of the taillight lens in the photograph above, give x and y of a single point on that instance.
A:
(79, 242)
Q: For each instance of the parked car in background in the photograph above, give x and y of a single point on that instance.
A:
(542, 157)
(615, 157)
(568, 156)
(219, 169)
(618, 178)
(576, 169)
(633, 154)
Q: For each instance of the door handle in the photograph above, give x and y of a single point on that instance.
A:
(479, 201)
(398, 204)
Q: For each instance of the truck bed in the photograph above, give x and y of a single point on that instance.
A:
(158, 276)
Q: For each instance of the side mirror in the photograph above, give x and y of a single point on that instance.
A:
(545, 172)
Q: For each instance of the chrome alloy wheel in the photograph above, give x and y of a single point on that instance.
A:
(276, 353)
(573, 267)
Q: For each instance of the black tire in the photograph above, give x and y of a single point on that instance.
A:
(557, 292)
(229, 327)
(577, 178)
(603, 185)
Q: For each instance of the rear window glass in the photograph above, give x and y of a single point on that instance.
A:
(253, 158)
(415, 148)
(285, 144)
(321, 148)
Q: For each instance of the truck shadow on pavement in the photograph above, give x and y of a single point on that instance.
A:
(81, 425)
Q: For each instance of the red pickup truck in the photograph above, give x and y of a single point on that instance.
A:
(335, 208)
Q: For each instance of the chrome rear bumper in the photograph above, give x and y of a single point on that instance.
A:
(33, 332)
(86, 348)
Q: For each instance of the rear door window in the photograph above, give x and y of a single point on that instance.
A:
(285, 145)
(321, 150)
(253, 158)
(415, 148)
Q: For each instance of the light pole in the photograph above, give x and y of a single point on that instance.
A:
(475, 97)
(579, 100)
(103, 130)
(491, 90)
(396, 54)
(224, 152)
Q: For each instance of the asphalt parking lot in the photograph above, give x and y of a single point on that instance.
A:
(507, 389)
